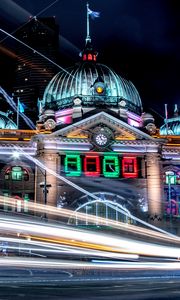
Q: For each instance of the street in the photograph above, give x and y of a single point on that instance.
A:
(59, 284)
(124, 288)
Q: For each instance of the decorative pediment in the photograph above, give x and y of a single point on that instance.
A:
(83, 128)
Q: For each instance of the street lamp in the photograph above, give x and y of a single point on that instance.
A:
(16, 154)
(45, 187)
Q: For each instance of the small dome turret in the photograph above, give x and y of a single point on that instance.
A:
(148, 123)
(6, 122)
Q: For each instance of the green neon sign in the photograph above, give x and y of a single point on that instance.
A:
(111, 166)
(72, 165)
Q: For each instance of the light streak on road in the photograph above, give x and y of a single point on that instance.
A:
(65, 213)
(70, 264)
(77, 187)
(29, 244)
(84, 239)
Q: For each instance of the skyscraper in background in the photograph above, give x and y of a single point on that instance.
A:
(33, 71)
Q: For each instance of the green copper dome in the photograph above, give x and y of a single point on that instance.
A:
(80, 80)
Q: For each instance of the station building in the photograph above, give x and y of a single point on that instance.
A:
(107, 152)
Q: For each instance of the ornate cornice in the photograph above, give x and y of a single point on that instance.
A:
(108, 120)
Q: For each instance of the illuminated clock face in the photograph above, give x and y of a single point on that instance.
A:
(101, 139)
(50, 124)
(99, 89)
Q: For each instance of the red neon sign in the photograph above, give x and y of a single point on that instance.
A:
(129, 167)
(92, 165)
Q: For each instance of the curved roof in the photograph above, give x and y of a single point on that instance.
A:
(6, 122)
(172, 127)
(79, 80)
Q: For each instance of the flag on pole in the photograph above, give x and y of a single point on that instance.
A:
(93, 14)
(166, 112)
(166, 119)
(21, 106)
(176, 112)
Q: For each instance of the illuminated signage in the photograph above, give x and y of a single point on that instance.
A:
(129, 167)
(95, 165)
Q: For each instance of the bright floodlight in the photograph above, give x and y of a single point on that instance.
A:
(16, 154)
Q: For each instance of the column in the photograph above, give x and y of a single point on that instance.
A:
(52, 161)
(154, 186)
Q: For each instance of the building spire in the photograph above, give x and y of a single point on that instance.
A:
(88, 38)
(89, 54)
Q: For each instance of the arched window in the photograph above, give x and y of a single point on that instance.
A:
(108, 210)
(16, 173)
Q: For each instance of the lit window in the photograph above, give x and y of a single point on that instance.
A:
(170, 177)
(111, 166)
(129, 167)
(92, 165)
(16, 173)
(89, 56)
(72, 165)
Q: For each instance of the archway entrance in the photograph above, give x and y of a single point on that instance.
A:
(109, 206)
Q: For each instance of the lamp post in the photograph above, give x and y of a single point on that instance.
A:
(45, 187)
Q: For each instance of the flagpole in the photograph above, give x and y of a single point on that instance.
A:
(175, 110)
(39, 106)
(166, 118)
(17, 113)
(88, 39)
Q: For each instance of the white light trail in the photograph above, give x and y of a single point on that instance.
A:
(36, 207)
(35, 51)
(53, 248)
(11, 102)
(70, 264)
(77, 187)
(85, 239)
(34, 17)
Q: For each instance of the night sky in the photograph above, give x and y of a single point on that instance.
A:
(139, 39)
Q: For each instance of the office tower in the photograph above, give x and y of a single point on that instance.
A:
(34, 71)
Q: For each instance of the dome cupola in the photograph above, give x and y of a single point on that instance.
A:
(95, 85)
